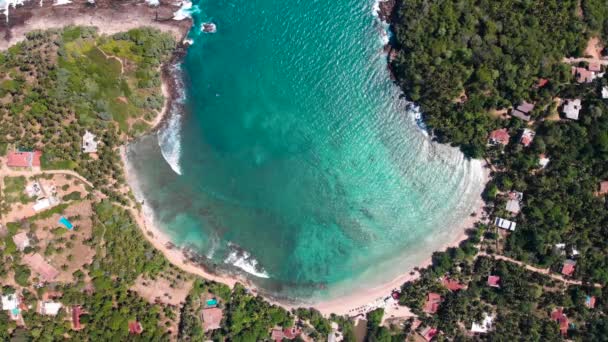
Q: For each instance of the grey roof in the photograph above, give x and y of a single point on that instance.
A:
(513, 206)
(518, 114)
(525, 107)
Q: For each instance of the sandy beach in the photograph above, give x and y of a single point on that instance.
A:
(113, 17)
(353, 304)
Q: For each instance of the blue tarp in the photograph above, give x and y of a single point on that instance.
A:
(64, 221)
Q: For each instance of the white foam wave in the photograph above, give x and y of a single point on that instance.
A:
(416, 115)
(244, 260)
(376, 8)
(169, 138)
(61, 2)
(153, 3)
(6, 4)
(184, 12)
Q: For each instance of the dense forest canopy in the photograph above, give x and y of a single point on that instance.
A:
(491, 52)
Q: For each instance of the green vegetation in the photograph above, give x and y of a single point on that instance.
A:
(59, 83)
(461, 60)
(14, 191)
(492, 52)
(121, 250)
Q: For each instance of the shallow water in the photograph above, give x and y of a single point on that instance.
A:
(296, 162)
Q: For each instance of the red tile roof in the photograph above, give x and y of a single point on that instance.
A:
(452, 285)
(594, 66)
(277, 335)
(590, 302)
(603, 188)
(135, 327)
(37, 263)
(76, 312)
(23, 159)
(433, 300)
(212, 317)
(582, 75)
(562, 320)
(542, 82)
(494, 281)
(291, 333)
(500, 136)
(428, 333)
(569, 267)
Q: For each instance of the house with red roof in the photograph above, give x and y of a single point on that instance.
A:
(499, 136)
(452, 285)
(542, 82)
(569, 267)
(277, 335)
(291, 333)
(135, 328)
(76, 312)
(590, 302)
(527, 137)
(583, 75)
(212, 317)
(594, 66)
(429, 333)
(561, 319)
(433, 300)
(523, 111)
(494, 281)
(603, 188)
(23, 159)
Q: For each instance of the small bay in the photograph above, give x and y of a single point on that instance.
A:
(296, 162)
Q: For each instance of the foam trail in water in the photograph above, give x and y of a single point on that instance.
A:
(243, 260)
(169, 138)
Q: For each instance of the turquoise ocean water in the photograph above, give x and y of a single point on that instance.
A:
(296, 162)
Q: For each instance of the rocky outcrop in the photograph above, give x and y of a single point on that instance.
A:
(110, 16)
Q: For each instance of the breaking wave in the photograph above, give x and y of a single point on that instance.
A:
(243, 260)
(169, 137)
(169, 140)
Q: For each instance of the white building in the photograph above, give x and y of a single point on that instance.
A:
(543, 161)
(505, 224)
(605, 92)
(572, 108)
(21, 241)
(484, 326)
(89, 145)
(10, 303)
(50, 308)
(42, 204)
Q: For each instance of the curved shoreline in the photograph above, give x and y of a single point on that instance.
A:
(31, 17)
(342, 305)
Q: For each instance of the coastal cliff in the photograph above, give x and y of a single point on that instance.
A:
(109, 16)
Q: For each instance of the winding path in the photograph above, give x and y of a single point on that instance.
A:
(534, 269)
(6, 172)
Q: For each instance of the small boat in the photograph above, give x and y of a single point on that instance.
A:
(209, 28)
